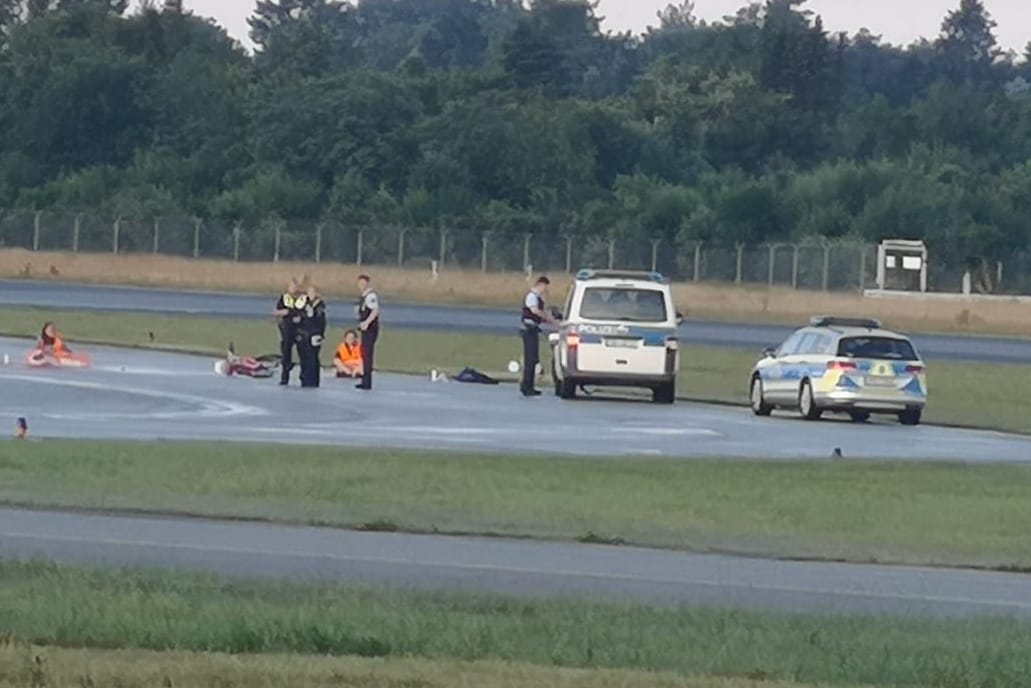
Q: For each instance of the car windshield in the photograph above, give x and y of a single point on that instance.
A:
(878, 348)
(623, 304)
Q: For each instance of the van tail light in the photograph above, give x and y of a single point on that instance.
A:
(841, 365)
(573, 340)
(915, 369)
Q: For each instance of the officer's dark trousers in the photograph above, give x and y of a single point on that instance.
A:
(311, 368)
(287, 340)
(369, 338)
(531, 357)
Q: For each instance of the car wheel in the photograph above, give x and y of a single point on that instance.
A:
(910, 417)
(807, 404)
(665, 394)
(860, 416)
(758, 398)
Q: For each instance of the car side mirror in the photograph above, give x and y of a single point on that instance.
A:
(769, 352)
(680, 318)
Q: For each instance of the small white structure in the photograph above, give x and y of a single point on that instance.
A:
(902, 265)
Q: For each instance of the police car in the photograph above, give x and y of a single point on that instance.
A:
(619, 329)
(842, 365)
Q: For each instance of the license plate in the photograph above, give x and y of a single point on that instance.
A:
(621, 343)
(880, 382)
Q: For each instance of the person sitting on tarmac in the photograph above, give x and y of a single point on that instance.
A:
(348, 357)
(51, 343)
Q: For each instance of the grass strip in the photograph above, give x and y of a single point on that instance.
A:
(909, 513)
(71, 607)
(976, 395)
(23, 666)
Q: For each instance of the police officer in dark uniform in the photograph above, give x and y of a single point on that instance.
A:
(533, 316)
(312, 332)
(288, 316)
(368, 323)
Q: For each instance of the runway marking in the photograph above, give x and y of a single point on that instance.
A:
(208, 407)
(495, 568)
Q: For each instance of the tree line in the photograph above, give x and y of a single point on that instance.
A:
(497, 115)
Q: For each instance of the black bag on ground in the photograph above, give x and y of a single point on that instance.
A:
(475, 376)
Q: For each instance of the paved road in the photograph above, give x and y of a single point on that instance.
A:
(147, 395)
(508, 567)
(754, 336)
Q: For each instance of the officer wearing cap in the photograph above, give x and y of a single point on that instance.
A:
(312, 332)
(533, 316)
(368, 323)
(288, 314)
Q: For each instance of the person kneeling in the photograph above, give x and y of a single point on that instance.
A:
(348, 357)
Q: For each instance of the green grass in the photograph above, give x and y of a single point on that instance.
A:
(22, 665)
(51, 605)
(991, 396)
(913, 513)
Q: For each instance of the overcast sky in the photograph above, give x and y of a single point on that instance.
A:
(898, 21)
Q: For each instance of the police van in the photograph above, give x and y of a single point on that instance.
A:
(619, 329)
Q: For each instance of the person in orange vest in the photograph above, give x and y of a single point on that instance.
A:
(348, 357)
(51, 342)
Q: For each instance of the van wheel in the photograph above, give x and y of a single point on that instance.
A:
(910, 417)
(806, 404)
(665, 394)
(758, 398)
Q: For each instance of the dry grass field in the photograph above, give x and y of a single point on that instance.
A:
(711, 301)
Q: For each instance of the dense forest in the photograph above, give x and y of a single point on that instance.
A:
(525, 117)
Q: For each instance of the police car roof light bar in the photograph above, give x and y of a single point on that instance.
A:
(832, 321)
(591, 273)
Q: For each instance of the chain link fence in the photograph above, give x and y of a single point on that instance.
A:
(826, 266)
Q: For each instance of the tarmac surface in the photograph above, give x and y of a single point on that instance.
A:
(145, 395)
(755, 336)
(518, 568)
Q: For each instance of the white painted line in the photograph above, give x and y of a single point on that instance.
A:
(207, 407)
(557, 573)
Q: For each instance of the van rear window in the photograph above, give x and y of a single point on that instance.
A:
(623, 304)
(877, 348)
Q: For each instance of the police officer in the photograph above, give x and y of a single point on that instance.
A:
(533, 316)
(312, 332)
(368, 323)
(288, 317)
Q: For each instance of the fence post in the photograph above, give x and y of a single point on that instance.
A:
(698, 262)
(157, 235)
(569, 255)
(401, 247)
(862, 268)
(35, 231)
(76, 230)
(655, 254)
(794, 267)
(998, 275)
(117, 232)
(773, 263)
(526, 251)
(277, 242)
(359, 247)
(318, 242)
(739, 268)
(197, 222)
(612, 253)
(483, 252)
(443, 247)
(826, 267)
(236, 242)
